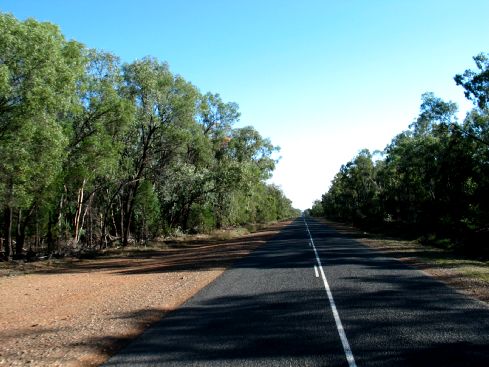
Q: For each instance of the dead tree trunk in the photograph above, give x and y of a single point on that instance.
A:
(79, 205)
(60, 218)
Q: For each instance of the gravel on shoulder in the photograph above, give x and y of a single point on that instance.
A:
(80, 314)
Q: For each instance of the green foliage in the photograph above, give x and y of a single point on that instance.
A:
(433, 180)
(316, 210)
(476, 83)
(202, 218)
(38, 75)
(93, 152)
(147, 216)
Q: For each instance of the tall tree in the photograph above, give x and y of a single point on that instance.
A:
(165, 105)
(96, 128)
(38, 74)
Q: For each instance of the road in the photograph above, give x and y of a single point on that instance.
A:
(279, 307)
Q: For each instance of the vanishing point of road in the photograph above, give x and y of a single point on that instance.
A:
(313, 297)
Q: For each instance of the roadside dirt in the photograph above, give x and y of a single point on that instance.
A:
(78, 313)
(468, 276)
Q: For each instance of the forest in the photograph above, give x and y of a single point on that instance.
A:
(432, 181)
(95, 152)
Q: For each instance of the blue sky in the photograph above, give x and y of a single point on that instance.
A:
(322, 79)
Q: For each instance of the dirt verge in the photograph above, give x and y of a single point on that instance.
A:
(77, 313)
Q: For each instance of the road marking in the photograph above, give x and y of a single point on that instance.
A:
(316, 271)
(339, 325)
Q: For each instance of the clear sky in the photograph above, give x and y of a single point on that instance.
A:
(322, 79)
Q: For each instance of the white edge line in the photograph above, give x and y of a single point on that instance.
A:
(339, 325)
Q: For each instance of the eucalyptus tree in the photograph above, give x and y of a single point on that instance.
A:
(242, 163)
(420, 159)
(90, 148)
(216, 117)
(476, 83)
(316, 209)
(164, 107)
(38, 74)
(190, 180)
(353, 195)
(428, 180)
(476, 129)
(96, 129)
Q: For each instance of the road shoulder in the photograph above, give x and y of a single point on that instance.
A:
(468, 276)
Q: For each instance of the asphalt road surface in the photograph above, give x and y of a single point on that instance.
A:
(280, 307)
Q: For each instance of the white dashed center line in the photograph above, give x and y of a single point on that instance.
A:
(339, 325)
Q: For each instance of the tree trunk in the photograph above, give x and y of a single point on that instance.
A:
(143, 229)
(8, 214)
(60, 214)
(90, 221)
(185, 216)
(116, 231)
(79, 205)
(20, 237)
(50, 238)
(122, 215)
(134, 185)
(129, 207)
(8, 218)
(87, 210)
(103, 235)
(37, 240)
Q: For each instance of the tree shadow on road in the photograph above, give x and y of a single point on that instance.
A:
(279, 327)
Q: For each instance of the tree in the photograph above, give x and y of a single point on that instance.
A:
(92, 151)
(189, 181)
(476, 83)
(96, 128)
(433, 113)
(432, 180)
(38, 74)
(165, 105)
(354, 191)
(242, 162)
